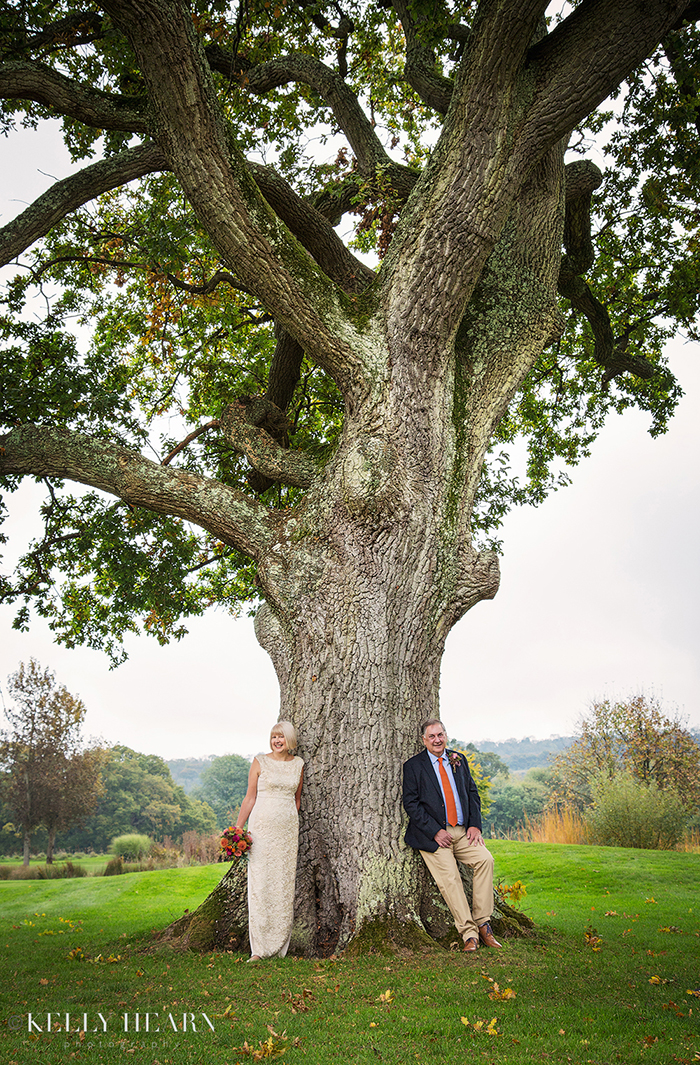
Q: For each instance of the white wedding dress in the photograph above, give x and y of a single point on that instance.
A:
(272, 866)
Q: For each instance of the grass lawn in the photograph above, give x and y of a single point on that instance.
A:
(613, 975)
(93, 863)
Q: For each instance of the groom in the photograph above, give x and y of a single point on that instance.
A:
(444, 808)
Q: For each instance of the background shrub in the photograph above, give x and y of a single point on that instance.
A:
(42, 872)
(627, 812)
(131, 847)
(201, 848)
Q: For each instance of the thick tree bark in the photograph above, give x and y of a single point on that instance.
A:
(356, 635)
(365, 578)
(357, 642)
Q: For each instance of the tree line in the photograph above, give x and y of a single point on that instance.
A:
(56, 790)
(630, 776)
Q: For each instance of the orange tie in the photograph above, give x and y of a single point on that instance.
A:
(449, 795)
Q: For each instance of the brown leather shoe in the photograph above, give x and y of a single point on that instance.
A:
(487, 937)
(471, 944)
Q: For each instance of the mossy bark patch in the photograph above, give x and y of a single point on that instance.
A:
(387, 935)
(220, 923)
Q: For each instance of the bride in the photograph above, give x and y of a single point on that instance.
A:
(272, 805)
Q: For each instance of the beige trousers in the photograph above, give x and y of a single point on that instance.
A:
(442, 864)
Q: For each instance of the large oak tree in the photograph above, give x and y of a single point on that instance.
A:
(339, 455)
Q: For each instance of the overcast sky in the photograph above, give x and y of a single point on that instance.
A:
(599, 595)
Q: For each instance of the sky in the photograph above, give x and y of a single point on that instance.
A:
(599, 596)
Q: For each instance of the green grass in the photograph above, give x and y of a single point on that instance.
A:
(94, 863)
(576, 1000)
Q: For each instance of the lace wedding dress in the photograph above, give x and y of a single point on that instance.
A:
(272, 866)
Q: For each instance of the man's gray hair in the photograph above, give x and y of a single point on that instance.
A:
(431, 721)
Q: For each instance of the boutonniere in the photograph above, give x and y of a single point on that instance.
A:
(455, 759)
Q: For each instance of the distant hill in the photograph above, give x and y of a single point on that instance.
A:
(528, 753)
(187, 772)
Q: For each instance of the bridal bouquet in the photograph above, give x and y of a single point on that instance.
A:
(235, 844)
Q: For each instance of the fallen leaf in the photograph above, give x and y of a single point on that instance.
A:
(501, 996)
(592, 938)
(481, 1027)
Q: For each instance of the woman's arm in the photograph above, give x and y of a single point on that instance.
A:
(297, 797)
(250, 796)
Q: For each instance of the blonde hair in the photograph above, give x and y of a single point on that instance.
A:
(286, 729)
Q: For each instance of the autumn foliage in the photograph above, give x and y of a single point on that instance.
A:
(631, 778)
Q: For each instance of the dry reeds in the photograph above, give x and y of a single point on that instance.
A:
(42, 872)
(563, 824)
(560, 824)
(691, 843)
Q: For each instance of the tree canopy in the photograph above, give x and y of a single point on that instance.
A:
(323, 117)
(139, 796)
(223, 785)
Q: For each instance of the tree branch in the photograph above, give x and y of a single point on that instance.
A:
(213, 424)
(29, 80)
(312, 231)
(307, 70)
(586, 57)
(285, 370)
(307, 224)
(510, 106)
(263, 453)
(74, 191)
(451, 226)
(228, 514)
(80, 27)
(420, 69)
(610, 352)
(282, 380)
(196, 140)
(582, 178)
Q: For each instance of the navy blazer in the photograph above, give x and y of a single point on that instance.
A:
(424, 804)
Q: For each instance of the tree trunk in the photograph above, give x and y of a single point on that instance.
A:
(50, 846)
(356, 636)
(357, 647)
(27, 844)
(366, 579)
